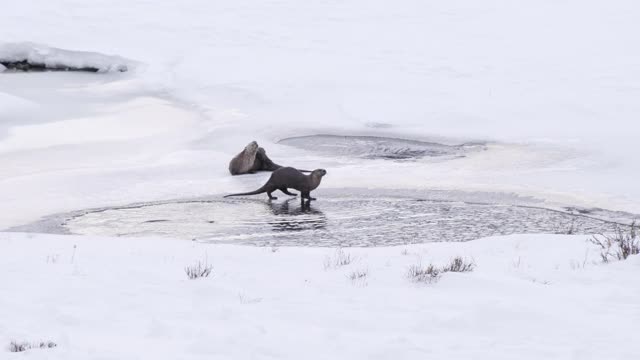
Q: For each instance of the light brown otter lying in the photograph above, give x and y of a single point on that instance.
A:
(289, 178)
(244, 161)
(251, 160)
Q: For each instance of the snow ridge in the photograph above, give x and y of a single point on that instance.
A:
(60, 59)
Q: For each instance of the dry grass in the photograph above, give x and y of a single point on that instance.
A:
(459, 264)
(432, 273)
(339, 259)
(15, 346)
(619, 245)
(358, 277)
(199, 270)
(429, 274)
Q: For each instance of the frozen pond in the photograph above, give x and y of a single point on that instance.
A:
(338, 218)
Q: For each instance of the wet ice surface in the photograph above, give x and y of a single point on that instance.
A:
(366, 218)
(374, 147)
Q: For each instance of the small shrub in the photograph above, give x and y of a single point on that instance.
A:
(19, 347)
(199, 270)
(432, 273)
(340, 258)
(15, 346)
(428, 274)
(358, 275)
(619, 245)
(458, 264)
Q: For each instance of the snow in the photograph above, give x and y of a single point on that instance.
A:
(148, 118)
(60, 58)
(12, 105)
(112, 298)
(552, 87)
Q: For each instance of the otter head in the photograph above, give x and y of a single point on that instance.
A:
(316, 177)
(319, 173)
(251, 148)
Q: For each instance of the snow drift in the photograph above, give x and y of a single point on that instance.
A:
(25, 56)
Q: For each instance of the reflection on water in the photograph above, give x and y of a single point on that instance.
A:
(297, 217)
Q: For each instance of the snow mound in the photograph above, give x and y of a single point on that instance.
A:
(30, 56)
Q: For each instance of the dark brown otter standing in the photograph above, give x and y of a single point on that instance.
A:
(286, 178)
(251, 160)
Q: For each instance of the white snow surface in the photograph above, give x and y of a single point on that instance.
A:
(59, 58)
(553, 86)
(530, 297)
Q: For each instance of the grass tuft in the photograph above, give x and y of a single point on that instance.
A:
(339, 259)
(619, 245)
(199, 270)
(15, 346)
(458, 264)
(431, 273)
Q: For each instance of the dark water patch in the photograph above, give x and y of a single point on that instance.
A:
(29, 66)
(338, 218)
(374, 147)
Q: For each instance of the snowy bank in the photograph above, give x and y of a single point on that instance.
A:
(26, 56)
(529, 297)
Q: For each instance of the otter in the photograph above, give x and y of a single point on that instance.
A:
(251, 160)
(263, 163)
(244, 161)
(287, 177)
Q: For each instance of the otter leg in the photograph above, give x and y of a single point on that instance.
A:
(286, 191)
(307, 195)
(270, 196)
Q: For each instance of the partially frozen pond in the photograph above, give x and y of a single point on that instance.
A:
(375, 147)
(338, 218)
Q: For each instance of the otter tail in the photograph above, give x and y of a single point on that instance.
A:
(256, 192)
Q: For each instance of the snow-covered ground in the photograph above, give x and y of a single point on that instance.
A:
(530, 297)
(552, 87)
